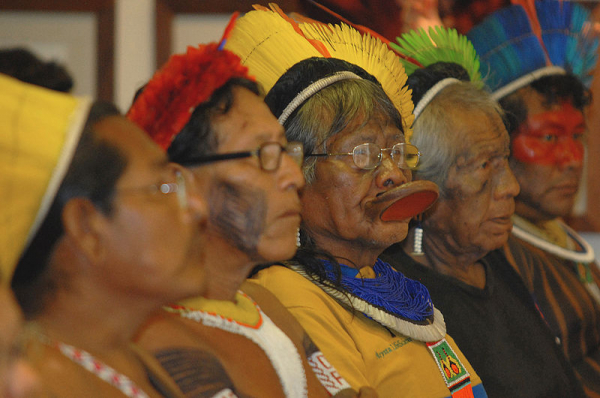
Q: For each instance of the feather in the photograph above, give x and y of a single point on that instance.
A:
(269, 45)
(439, 45)
(509, 49)
(566, 37)
(363, 29)
(228, 29)
(372, 55)
(507, 46)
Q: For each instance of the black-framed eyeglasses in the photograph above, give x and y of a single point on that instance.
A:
(368, 156)
(176, 184)
(268, 155)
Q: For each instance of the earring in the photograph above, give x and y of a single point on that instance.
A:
(298, 238)
(418, 238)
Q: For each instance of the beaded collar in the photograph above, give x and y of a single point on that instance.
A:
(245, 318)
(390, 299)
(524, 230)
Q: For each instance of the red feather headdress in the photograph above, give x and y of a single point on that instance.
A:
(184, 82)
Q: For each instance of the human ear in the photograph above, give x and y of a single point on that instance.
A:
(85, 226)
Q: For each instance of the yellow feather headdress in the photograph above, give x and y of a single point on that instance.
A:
(269, 43)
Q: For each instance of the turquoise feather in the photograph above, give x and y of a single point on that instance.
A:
(508, 48)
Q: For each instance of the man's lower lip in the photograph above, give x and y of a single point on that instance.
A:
(568, 190)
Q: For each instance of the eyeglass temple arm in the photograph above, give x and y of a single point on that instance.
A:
(198, 160)
(326, 154)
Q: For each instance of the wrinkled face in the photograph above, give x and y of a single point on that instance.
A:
(17, 378)
(154, 246)
(338, 205)
(255, 211)
(547, 158)
(473, 214)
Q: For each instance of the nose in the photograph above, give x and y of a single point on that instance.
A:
(508, 186)
(569, 152)
(389, 175)
(23, 381)
(290, 174)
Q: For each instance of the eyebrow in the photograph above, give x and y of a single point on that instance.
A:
(265, 137)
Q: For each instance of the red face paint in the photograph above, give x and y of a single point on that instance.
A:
(552, 137)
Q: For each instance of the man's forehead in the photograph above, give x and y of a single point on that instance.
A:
(249, 122)
(127, 138)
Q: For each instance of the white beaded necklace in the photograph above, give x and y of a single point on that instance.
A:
(585, 256)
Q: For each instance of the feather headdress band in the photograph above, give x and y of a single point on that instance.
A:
(184, 82)
(438, 44)
(270, 43)
(519, 45)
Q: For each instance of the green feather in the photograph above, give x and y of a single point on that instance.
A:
(439, 45)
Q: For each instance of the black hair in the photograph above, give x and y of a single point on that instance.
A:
(553, 88)
(197, 137)
(423, 79)
(94, 170)
(25, 66)
(304, 73)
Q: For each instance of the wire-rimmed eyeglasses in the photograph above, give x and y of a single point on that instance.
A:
(368, 156)
(268, 155)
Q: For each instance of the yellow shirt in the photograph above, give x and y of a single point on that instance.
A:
(363, 352)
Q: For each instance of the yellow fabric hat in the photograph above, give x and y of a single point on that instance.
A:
(39, 132)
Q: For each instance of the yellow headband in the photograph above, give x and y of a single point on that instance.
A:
(268, 43)
(39, 132)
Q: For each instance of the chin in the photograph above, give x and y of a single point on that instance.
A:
(277, 251)
(495, 241)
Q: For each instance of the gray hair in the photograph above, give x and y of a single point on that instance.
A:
(437, 132)
(333, 109)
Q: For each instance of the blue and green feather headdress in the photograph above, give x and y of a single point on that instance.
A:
(437, 44)
(517, 48)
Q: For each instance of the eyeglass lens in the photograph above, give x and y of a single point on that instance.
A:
(270, 154)
(369, 155)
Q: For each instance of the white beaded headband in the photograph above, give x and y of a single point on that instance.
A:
(313, 89)
(431, 93)
(526, 79)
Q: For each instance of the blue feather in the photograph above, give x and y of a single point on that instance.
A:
(568, 44)
(507, 47)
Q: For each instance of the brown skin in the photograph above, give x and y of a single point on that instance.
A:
(473, 214)
(548, 191)
(336, 206)
(119, 268)
(17, 378)
(254, 216)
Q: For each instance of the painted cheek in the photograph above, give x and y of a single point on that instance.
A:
(568, 150)
(528, 149)
(530, 146)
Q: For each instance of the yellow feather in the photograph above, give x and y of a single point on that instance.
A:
(372, 55)
(268, 45)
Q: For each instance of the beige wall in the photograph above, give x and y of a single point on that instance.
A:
(70, 38)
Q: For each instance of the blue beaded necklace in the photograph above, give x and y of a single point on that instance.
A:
(389, 291)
